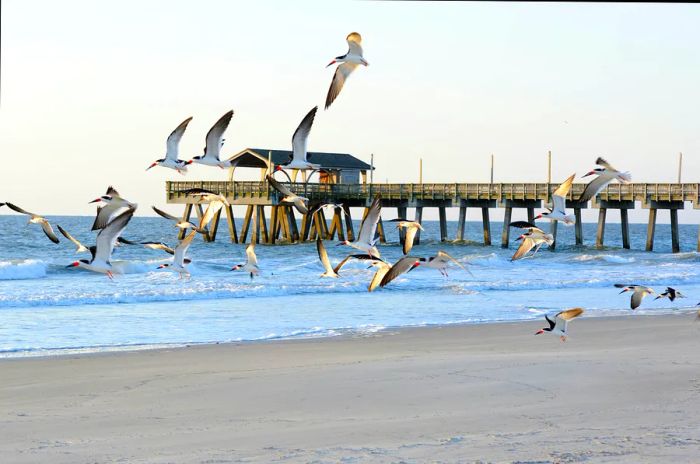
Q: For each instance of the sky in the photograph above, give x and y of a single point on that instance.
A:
(91, 90)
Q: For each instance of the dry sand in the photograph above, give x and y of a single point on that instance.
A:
(620, 390)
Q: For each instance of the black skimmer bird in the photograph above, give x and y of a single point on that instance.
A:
(106, 239)
(441, 262)
(179, 262)
(289, 196)
(606, 174)
(533, 238)
(412, 228)
(113, 203)
(403, 265)
(251, 264)
(172, 150)
(366, 240)
(671, 294)
(158, 246)
(323, 256)
(638, 292)
(371, 260)
(559, 325)
(212, 209)
(80, 247)
(205, 196)
(348, 62)
(36, 219)
(558, 210)
(301, 135)
(179, 222)
(214, 140)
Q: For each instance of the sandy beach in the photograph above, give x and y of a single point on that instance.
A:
(620, 390)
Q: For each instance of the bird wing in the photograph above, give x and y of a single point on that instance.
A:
(341, 73)
(80, 246)
(594, 186)
(636, 299)
(445, 258)
(301, 135)
(214, 136)
(522, 225)
(18, 209)
(212, 209)
(250, 253)
(173, 143)
(359, 257)
(103, 216)
(408, 239)
(112, 192)
(559, 195)
(158, 246)
(369, 224)
(48, 230)
(601, 162)
(182, 247)
(378, 277)
(300, 205)
(162, 213)
(107, 237)
(323, 256)
(279, 187)
(354, 40)
(525, 246)
(551, 323)
(568, 314)
(401, 266)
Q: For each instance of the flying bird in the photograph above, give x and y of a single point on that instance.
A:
(251, 264)
(172, 150)
(289, 196)
(533, 238)
(606, 174)
(440, 262)
(205, 196)
(638, 292)
(36, 219)
(366, 239)
(559, 325)
(301, 135)
(412, 228)
(214, 140)
(558, 210)
(106, 239)
(348, 62)
(403, 265)
(371, 260)
(179, 261)
(80, 247)
(323, 256)
(158, 246)
(113, 203)
(671, 294)
(179, 222)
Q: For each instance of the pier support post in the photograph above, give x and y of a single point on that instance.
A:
(337, 225)
(231, 224)
(675, 243)
(600, 234)
(531, 215)
(401, 212)
(246, 223)
(185, 217)
(624, 224)
(419, 219)
(651, 228)
(293, 229)
(505, 235)
(553, 230)
(214, 226)
(200, 214)
(460, 223)
(487, 225)
(443, 223)
(578, 226)
(349, 228)
(262, 225)
(274, 230)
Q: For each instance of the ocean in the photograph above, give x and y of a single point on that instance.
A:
(48, 309)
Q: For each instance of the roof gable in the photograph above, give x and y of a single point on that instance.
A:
(257, 157)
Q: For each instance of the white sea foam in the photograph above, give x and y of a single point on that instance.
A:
(22, 269)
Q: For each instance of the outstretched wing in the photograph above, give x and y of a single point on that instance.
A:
(75, 241)
(341, 74)
(601, 162)
(378, 277)
(18, 209)
(277, 186)
(323, 256)
(559, 195)
(408, 239)
(369, 224)
(522, 225)
(250, 253)
(593, 187)
(182, 247)
(354, 40)
(301, 135)
(48, 230)
(173, 144)
(525, 246)
(214, 136)
(401, 266)
(162, 213)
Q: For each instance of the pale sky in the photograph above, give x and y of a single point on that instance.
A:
(91, 90)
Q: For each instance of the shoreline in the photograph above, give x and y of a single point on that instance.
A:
(621, 389)
(341, 333)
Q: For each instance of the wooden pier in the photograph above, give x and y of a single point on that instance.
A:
(282, 225)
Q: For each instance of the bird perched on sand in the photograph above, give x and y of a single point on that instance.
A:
(36, 219)
(606, 174)
(172, 150)
(412, 228)
(559, 325)
(558, 210)
(671, 294)
(289, 196)
(638, 292)
(348, 62)
(533, 238)
(251, 264)
(214, 142)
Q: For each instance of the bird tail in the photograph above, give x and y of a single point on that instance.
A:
(625, 177)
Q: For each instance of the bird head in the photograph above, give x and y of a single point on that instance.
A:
(626, 289)
(104, 198)
(365, 62)
(163, 266)
(541, 331)
(154, 164)
(595, 171)
(332, 62)
(236, 267)
(77, 263)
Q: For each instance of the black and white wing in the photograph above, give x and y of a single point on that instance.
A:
(401, 266)
(16, 208)
(281, 188)
(172, 145)
(559, 195)
(341, 74)
(162, 213)
(250, 254)
(104, 215)
(215, 136)
(368, 228)
(181, 249)
(526, 245)
(593, 187)
(107, 237)
(81, 248)
(562, 318)
(378, 277)
(323, 256)
(601, 162)
(301, 135)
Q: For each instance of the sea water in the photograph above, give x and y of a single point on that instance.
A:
(46, 308)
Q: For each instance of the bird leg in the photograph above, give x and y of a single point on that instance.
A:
(562, 338)
(110, 275)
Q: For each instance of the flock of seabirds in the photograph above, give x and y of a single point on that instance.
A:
(112, 218)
